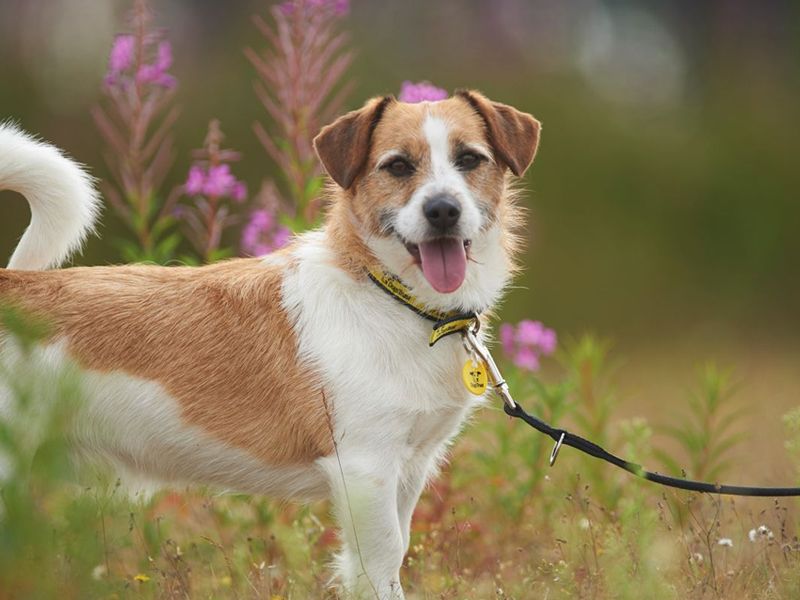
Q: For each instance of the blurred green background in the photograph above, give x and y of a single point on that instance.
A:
(663, 203)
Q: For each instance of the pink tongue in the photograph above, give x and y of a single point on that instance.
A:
(444, 263)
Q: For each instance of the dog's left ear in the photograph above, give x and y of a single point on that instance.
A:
(343, 146)
(514, 135)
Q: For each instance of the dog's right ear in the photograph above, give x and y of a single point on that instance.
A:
(343, 146)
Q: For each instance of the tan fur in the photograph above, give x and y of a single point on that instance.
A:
(215, 337)
(514, 135)
(356, 211)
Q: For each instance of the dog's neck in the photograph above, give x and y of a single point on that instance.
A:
(491, 271)
(346, 241)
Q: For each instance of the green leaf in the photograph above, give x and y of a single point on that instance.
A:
(165, 249)
(27, 328)
(220, 254)
(161, 226)
(313, 188)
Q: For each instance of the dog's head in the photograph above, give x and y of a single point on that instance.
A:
(426, 186)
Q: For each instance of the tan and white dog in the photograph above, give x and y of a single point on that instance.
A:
(291, 375)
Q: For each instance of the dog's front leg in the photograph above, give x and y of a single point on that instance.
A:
(364, 495)
(408, 492)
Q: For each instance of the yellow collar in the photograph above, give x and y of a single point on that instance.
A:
(444, 323)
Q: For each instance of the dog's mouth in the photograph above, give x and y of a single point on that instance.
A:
(443, 261)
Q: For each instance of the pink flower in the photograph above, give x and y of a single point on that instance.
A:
(219, 181)
(263, 234)
(164, 58)
(281, 237)
(239, 191)
(195, 181)
(526, 358)
(529, 332)
(157, 72)
(339, 7)
(507, 338)
(548, 341)
(121, 57)
(526, 343)
(421, 92)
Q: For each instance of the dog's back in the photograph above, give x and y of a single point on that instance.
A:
(165, 323)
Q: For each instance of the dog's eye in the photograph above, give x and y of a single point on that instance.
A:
(467, 161)
(399, 167)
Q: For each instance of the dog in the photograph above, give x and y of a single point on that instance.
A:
(307, 373)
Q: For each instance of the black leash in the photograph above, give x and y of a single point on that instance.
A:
(563, 437)
(468, 325)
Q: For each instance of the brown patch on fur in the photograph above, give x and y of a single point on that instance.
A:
(514, 135)
(356, 212)
(215, 337)
(343, 145)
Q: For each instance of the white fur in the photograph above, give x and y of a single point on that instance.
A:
(487, 271)
(63, 201)
(136, 425)
(410, 223)
(396, 403)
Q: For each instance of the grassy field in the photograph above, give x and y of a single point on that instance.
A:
(497, 523)
(667, 222)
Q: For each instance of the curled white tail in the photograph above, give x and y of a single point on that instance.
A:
(64, 203)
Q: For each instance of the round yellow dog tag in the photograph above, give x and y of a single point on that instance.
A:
(474, 376)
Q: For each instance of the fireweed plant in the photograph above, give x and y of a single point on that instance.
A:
(135, 121)
(497, 523)
(301, 86)
(212, 191)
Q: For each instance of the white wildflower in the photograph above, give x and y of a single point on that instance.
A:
(696, 558)
(583, 523)
(762, 532)
(725, 542)
(99, 572)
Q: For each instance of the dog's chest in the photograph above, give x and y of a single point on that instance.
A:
(372, 355)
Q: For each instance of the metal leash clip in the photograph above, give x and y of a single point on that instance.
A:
(557, 448)
(473, 344)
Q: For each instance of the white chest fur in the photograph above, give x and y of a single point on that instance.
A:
(379, 375)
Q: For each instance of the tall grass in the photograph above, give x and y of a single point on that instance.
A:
(497, 523)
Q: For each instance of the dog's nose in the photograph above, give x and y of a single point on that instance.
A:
(442, 211)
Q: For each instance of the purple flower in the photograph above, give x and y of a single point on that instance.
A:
(507, 338)
(548, 341)
(526, 358)
(339, 7)
(529, 332)
(157, 72)
(288, 7)
(239, 191)
(526, 343)
(421, 92)
(263, 234)
(164, 58)
(121, 57)
(219, 181)
(281, 237)
(195, 181)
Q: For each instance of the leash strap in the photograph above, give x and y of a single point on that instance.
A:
(447, 323)
(563, 437)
